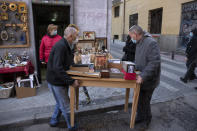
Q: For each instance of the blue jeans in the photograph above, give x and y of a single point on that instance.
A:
(60, 94)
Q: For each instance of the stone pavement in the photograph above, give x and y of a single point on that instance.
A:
(15, 111)
(176, 115)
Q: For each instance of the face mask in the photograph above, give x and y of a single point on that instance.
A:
(134, 41)
(75, 41)
(190, 34)
(54, 33)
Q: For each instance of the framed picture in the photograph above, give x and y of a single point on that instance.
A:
(101, 41)
(85, 44)
(89, 35)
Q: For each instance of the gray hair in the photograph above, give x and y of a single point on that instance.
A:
(136, 29)
(69, 31)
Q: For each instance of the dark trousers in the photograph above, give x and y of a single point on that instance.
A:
(191, 65)
(144, 107)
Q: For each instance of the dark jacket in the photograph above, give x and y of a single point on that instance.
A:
(129, 50)
(59, 62)
(148, 61)
(191, 50)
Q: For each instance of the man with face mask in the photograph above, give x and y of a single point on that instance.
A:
(191, 56)
(147, 60)
(48, 41)
(60, 60)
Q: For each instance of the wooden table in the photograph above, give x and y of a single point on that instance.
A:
(110, 83)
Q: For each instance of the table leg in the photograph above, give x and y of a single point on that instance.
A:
(72, 105)
(126, 99)
(77, 98)
(134, 105)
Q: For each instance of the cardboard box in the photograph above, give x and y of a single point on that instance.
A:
(22, 92)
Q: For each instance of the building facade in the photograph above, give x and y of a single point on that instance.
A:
(88, 15)
(164, 19)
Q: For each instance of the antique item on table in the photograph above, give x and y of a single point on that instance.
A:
(4, 16)
(12, 37)
(24, 18)
(4, 35)
(128, 66)
(24, 56)
(101, 42)
(89, 35)
(4, 7)
(22, 8)
(12, 6)
(101, 62)
(85, 59)
(1, 62)
(91, 67)
(18, 60)
(85, 44)
(77, 58)
(105, 74)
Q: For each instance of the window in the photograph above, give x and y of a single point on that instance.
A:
(133, 20)
(116, 37)
(155, 21)
(116, 11)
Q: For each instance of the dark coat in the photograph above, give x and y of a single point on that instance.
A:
(191, 50)
(129, 50)
(148, 61)
(60, 59)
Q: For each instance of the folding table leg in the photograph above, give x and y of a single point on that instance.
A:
(134, 105)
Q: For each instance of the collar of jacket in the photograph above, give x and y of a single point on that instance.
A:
(51, 36)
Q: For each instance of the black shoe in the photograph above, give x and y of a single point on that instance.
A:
(195, 88)
(138, 120)
(53, 125)
(143, 126)
(76, 129)
(183, 79)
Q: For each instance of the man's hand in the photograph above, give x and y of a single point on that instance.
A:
(75, 84)
(139, 80)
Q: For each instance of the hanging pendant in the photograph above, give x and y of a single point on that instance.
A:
(4, 35)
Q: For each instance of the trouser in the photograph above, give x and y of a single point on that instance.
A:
(190, 69)
(85, 90)
(144, 107)
(60, 94)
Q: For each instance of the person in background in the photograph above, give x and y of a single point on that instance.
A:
(59, 62)
(191, 56)
(148, 62)
(47, 42)
(85, 90)
(129, 50)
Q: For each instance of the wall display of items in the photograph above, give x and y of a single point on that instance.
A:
(14, 31)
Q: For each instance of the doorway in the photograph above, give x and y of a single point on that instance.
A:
(43, 15)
